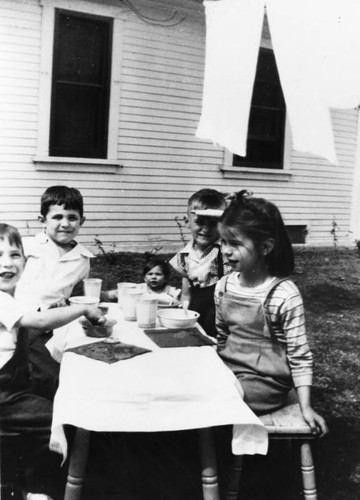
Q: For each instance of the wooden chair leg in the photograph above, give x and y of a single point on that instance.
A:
(77, 466)
(209, 476)
(234, 478)
(308, 471)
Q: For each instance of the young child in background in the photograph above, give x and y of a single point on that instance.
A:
(56, 263)
(200, 263)
(156, 276)
(20, 410)
(259, 310)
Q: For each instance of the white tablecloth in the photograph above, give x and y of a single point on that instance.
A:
(164, 390)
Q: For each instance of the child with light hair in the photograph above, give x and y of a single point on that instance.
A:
(200, 262)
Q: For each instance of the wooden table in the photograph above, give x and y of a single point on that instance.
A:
(164, 390)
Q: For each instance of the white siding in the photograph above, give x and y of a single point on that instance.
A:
(163, 163)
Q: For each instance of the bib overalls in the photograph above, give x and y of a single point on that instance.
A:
(252, 351)
(202, 300)
(31, 416)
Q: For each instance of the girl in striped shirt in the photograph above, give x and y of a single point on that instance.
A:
(259, 311)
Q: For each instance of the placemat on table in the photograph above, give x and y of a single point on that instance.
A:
(179, 337)
(108, 352)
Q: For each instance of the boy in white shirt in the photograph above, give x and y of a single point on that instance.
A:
(56, 263)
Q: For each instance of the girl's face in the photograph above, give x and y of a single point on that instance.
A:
(242, 253)
(12, 263)
(155, 278)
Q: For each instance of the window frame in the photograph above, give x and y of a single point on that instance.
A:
(42, 160)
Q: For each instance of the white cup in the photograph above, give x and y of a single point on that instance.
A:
(92, 287)
(122, 288)
(146, 309)
(129, 300)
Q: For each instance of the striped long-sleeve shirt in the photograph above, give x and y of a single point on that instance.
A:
(286, 312)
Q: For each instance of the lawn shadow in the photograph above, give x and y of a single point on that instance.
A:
(337, 460)
(331, 297)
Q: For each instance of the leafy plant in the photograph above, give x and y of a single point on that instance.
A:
(357, 246)
(181, 224)
(110, 255)
(334, 231)
(156, 248)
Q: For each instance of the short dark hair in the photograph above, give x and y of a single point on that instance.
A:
(207, 198)
(12, 235)
(70, 197)
(153, 262)
(260, 219)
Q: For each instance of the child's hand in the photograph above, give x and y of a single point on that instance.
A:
(95, 315)
(316, 423)
(109, 296)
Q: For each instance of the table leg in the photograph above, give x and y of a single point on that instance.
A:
(209, 476)
(77, 466)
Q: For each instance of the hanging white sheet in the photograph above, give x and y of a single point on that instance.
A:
(294, 29)
(233, 34)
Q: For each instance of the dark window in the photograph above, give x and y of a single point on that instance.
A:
(80, 87)
(265, 142)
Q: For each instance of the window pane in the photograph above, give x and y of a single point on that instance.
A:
(75, 126)
(81, 86)
(80, 45)
(267, 117)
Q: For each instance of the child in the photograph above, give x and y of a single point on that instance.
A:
(200, 263)
(259, 311)
(20, 410)
(56, 263)
(156, 276)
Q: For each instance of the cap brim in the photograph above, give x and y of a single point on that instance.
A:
(209, 212)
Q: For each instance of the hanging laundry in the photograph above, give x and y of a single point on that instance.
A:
(294, 29)
(316, 46)
(233, 34)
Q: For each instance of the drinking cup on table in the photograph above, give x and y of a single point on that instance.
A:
(92, 287)
(88, 300)
(122, 287)
(146, 309)
(129, 300)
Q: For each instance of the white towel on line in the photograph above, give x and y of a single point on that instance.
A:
(232, 47)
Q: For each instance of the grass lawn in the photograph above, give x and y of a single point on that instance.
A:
(329, 280)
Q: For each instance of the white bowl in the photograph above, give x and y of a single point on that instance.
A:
(83, 299)
(176, 318)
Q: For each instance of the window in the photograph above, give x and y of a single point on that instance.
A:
(265, 143)
(80, 86)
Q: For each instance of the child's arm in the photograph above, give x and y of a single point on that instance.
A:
(109, 295)
(55, 318)
(185, 291)
(316, 423)
(221, 327)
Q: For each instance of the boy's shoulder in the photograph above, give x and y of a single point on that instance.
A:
(40, 245)
(82, 250)
(187, 248)
(33, 244)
